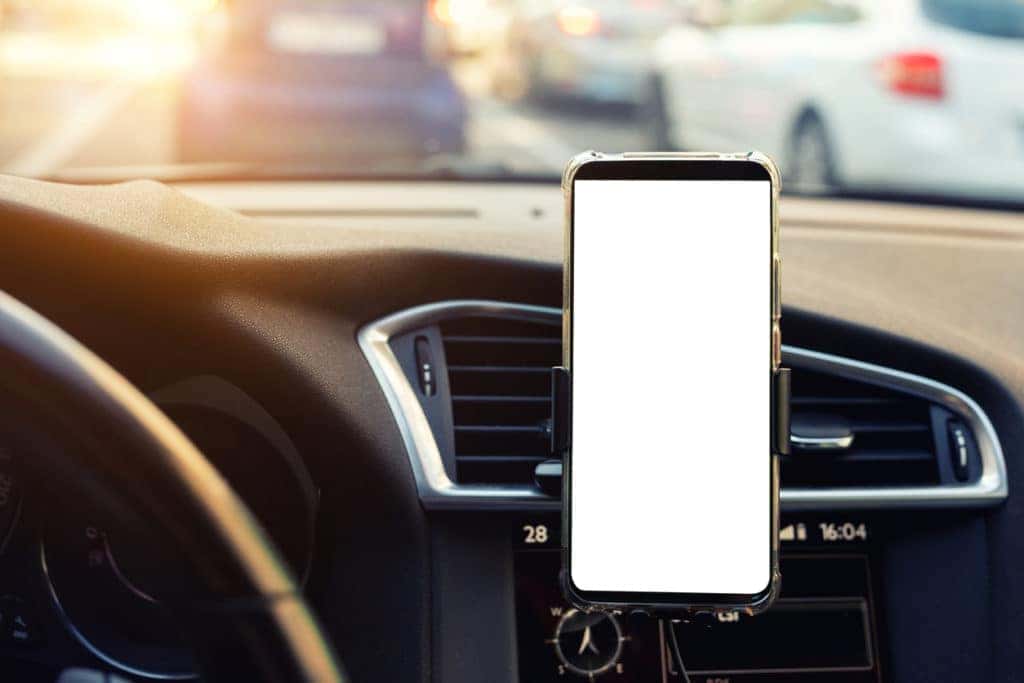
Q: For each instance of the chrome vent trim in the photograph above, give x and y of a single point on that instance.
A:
(990, 488)
(438, 491)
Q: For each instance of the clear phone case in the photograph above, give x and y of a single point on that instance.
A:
(780, 391)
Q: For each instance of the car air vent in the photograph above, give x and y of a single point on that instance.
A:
(846, 433)
(499, 377)
(468, 383)
(852, 433)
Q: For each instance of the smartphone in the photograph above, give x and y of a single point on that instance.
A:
(676, 401)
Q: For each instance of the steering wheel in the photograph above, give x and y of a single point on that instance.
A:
(248, 619)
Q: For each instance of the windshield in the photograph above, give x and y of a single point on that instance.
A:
(901, 98)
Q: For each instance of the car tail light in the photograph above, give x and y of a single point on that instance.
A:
(578, 20)
(918, 74)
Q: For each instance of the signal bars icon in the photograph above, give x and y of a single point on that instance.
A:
(793, 532)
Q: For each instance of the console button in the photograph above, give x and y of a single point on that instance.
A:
(17, 626)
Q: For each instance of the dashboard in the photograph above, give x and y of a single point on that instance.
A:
(285, 326)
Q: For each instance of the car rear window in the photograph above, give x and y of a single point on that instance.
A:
(1000, 18)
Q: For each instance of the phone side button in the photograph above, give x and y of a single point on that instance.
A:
(776, 287)
(776, 345)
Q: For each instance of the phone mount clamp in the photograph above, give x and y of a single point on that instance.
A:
(549, 474)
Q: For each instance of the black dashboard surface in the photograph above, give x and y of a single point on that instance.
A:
(165, 286)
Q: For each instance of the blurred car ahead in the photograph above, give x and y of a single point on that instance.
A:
(595, 51)
(871, 95)
(320, 82)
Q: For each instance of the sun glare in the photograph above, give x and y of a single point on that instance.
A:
(129, 38)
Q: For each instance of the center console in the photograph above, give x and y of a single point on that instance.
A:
(825, 623)
(884, 595)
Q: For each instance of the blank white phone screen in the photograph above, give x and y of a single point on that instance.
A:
(671, 313)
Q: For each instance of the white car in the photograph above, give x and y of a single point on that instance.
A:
(917, 96)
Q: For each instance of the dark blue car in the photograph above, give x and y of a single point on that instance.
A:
(319, 82)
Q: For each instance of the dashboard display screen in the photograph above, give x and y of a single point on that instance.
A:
(671, 485)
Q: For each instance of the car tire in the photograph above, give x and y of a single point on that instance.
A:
(653, 113)
(810, 168)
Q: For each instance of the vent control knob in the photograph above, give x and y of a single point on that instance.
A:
(961, 445)
(425, 371)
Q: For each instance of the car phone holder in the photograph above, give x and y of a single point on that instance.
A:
(548, 474)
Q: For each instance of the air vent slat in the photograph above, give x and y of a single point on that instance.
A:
(501, 458)
(854, 457)
(499, 372)
(459, 338)
(495, 368)
(501, 399)
(501, 429)
(863, 426)
(843, 400)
